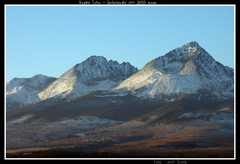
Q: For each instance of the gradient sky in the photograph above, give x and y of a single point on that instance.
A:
(49, 40)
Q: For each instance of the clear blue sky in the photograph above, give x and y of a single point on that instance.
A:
(49, 40)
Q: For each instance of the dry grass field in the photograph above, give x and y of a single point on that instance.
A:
(173, 130)
(129, 139)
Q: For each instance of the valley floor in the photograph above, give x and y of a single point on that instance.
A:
(89, 136)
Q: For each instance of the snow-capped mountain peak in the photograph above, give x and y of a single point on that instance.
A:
(190, 45)
(94, 73)
(184, 70)
(24, 91)
(97, 59)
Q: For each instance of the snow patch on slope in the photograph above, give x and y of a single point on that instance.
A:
(19, 121)
(222, 115)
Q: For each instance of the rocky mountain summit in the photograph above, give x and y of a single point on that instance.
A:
(185, 70)
(95, 73)
(24, 91)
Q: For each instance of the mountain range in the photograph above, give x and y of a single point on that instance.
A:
(185, 89)
(95, 73)
(185, 70)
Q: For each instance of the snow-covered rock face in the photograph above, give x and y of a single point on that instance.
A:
(95, 73)
(184, 70)
(24, 91)
(97, 67)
